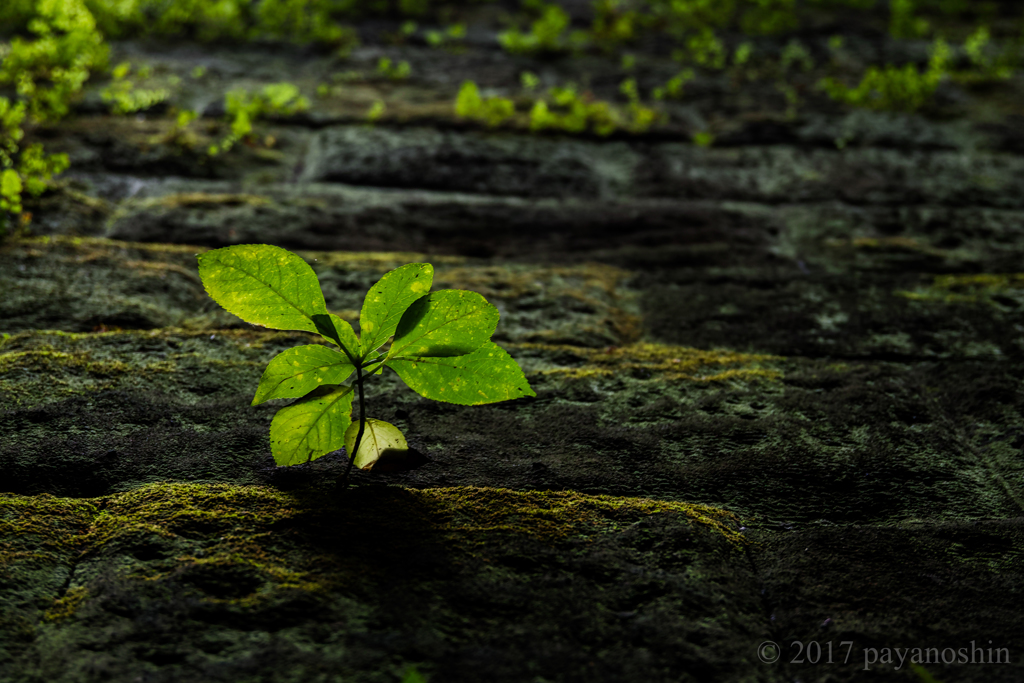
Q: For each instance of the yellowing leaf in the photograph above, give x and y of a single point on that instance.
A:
(380, 439)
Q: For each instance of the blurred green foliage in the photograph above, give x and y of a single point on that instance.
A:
(894, 88)
(59, 48)
(394, 71)
(244, 107)
(546, 34)
(492, 111)
(125, 98)
(563, 109)
(566, 109)
(46, 67)
(300, 21)
(50, 48)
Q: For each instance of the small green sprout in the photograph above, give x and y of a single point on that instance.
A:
(795, 53)
(393, 71)
(23, 169)
(742, 54)
(184, 118)
(673, 88)
(568, 110)
(894, 88)
(707, 50)
(492, 111)
(630, 89)
(437, 342)
(376, 111)
(529, 80)
(450, 37)
(545, 35)
(704, 138)
(125, 98)
(903, 23)
(244, 107)
(10, 191)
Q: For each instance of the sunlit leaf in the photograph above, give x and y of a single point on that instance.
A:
(451, 322)
(487, 375)
(263, 284)
(311, 427)
(380, 440)
(298, 371)
(388, 300)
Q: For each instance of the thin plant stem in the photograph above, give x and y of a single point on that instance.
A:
(343, 483)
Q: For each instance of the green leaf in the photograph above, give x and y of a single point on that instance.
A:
(298, 371)
(263, 284)
(451, 322)
(487, 375)
(311, 427)
(380, 440)
(334, 329)
(388, 300)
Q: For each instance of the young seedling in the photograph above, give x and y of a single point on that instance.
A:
(437, 342)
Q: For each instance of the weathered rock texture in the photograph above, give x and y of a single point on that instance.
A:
(779, 394)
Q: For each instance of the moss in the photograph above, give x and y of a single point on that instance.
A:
(229, 571)
(92, 248)
(970, 288)
(646, 360)
(376, 261)
(559, 514)
(47, 359)
(65, 607)
(41, 367)
(205, 199)
(887, 245)
(458, 512)
(272, 537)
(116, 284)
(511, 282)
(592, 289)
(40, 528)
(95, 246)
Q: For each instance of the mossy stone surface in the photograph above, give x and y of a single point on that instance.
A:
(779, 393)
(216, 582)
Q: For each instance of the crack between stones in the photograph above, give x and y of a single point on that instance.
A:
(63, 592)
(80, 553)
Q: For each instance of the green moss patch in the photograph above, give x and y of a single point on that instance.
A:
(645, 360)
(382, 577)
